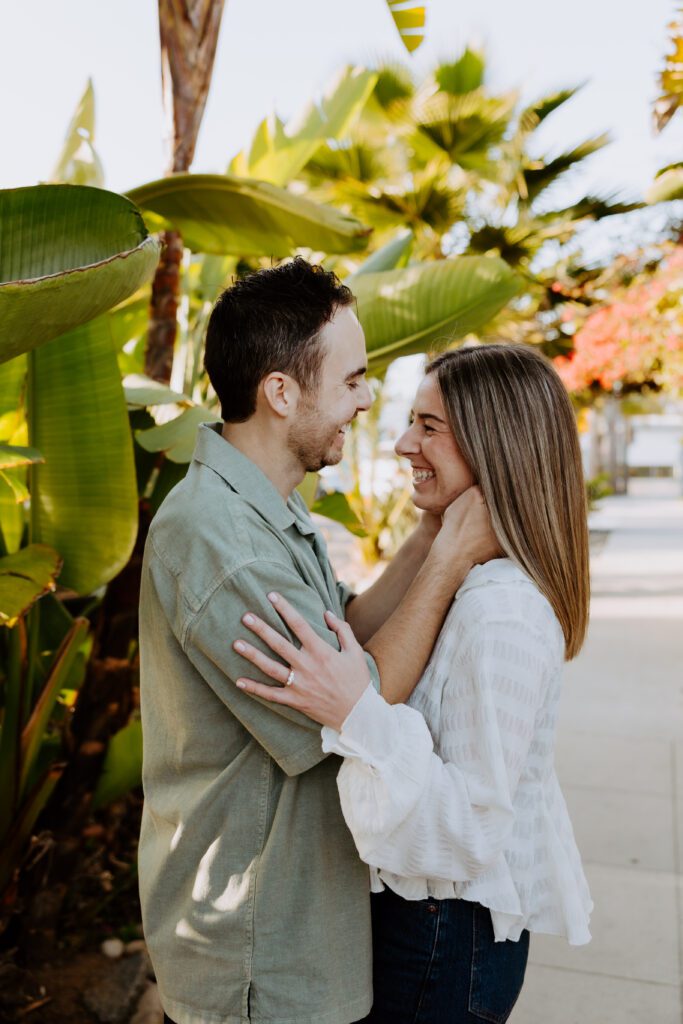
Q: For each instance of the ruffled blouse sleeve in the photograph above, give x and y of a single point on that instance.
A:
(415, 815)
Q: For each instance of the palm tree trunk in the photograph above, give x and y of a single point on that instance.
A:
(189, 36)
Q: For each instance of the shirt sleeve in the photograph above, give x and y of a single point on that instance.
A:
(417, 816)
(290, 738)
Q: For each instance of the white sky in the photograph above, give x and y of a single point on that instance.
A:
(278, 53)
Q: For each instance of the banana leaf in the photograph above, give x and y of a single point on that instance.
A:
(16, 455)
(78, 163)
(67, 253)
(221, 214)
(278, 152)
(176, 438)
(395, 253)
(122, 769)
(84, 497)
(428, 306)
(24, 577)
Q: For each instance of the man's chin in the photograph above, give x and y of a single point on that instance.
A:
(331, 458)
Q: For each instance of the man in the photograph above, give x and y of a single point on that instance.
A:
(255, 904)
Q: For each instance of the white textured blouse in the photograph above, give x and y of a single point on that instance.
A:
(455, 794)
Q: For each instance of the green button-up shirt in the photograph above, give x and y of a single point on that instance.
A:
(255, 904)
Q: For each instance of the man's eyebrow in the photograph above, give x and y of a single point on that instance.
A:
(360, 372)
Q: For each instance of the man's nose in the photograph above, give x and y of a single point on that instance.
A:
(364, 397)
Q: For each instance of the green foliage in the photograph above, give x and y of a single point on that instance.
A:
(122, 769)
(78, 162)
(53, 275)
(223, 214)
(451, 155)
(278, 152)
(37, 668)
(84, 497)
(429, 306)
(597, 488)
(671, 76)
(24, 577)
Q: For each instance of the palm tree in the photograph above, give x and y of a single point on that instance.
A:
(189, 36)
(457, 163)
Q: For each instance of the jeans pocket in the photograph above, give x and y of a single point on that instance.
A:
(497, 972)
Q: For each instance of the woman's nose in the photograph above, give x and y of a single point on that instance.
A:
(407, 444)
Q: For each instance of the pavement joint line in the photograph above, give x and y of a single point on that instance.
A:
(677, 861)
(674, 876)
(601, 735)
(601, 974)
(622, 791)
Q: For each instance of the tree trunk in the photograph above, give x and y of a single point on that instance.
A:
(163, 307)
(189, 36)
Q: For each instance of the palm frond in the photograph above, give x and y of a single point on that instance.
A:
(539, 175)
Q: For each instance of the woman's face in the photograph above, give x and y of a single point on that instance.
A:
(440, 473)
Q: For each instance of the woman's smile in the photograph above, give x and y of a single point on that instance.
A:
(422, 476)
(441, 473)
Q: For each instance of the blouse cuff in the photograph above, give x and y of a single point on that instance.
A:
(368, 732)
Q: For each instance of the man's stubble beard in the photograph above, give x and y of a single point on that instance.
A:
(311, 439)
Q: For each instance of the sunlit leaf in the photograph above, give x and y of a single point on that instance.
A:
(122, 769)
(278, 152)
(222, 214)
(16, 485)
(24, 577)
(11, 455)
(143, 391)
(430, 305)
(394, 254)
(67, 253)
(178, 437)
(84, 497)
(336, 506)
(666, 186)
(78, 163)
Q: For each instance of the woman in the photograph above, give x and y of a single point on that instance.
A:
(453, 800)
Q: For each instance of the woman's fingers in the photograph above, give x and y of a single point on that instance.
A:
(274, 694)
(269, 667)
(288, 652)
(342, 629)
(296, 622)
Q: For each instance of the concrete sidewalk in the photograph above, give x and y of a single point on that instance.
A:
(620, 763)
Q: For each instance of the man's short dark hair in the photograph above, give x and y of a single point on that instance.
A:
(270, 320)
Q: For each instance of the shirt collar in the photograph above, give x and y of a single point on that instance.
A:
(498, 570)
(243, 475)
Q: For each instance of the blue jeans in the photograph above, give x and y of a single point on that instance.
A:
(436, 962)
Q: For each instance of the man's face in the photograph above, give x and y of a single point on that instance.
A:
(316, 437)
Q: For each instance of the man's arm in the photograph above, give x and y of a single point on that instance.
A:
(367, 612)
(291, 739)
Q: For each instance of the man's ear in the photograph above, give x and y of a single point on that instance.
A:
(281, 393)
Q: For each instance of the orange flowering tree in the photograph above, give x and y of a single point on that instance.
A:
(634, 340)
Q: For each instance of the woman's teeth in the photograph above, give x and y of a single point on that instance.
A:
(420, 475)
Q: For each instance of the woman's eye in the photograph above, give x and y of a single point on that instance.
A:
(429, 430)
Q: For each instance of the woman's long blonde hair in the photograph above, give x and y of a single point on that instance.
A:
(514, 424)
